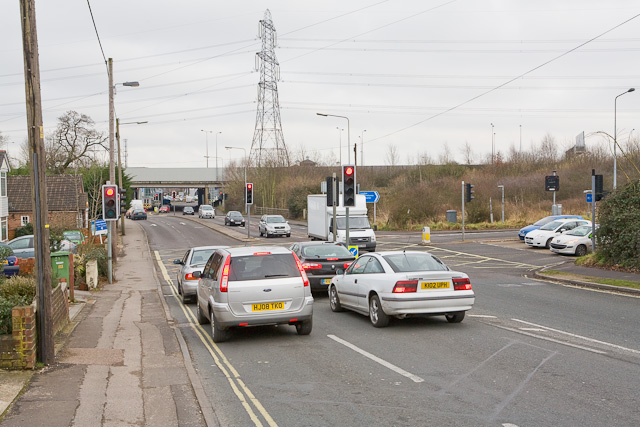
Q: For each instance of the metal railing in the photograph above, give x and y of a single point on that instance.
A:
(260, 210)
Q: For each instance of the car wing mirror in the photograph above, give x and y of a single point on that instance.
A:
(177, 261)
(196, 274)
(340, 271)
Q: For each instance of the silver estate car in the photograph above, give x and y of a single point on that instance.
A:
(252, 286)
(193, 260)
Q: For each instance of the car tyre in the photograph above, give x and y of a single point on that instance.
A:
(378, 317)
(304, 328)
(185, 299)
(218, 334)
(202, 320)
(548, 244)
(289, 235)
(455, 317)
(581, 250)
(334, 300)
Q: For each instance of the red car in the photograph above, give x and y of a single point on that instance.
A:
(165, 209)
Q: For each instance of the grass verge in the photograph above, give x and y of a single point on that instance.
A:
(591, 279)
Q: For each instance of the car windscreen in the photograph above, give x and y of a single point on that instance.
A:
(580, 231)
(206, 207)
(543, 221)
(325, 251)
(259, 267)
(72, 235)
(551, 226)
(201, 256)
(357, 222)
(235, 215)
(409, 262)
(275, 219)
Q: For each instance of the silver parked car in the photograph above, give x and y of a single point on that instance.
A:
(401, 284)
(252, 286)
(193, 260)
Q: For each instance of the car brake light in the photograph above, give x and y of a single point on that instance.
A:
(17, 261)
(305, 279)
(403, 286)
(332, 259)
(189, 276)
(262, 253)
(224, 283)
(311, 266)
(461, 284)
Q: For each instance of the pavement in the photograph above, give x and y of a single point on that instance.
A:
(120, 362)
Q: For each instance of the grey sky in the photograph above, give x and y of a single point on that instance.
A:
(388, 65)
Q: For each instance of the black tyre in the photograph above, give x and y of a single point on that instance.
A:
(260, 232)
(304, 328)
(185, 299)
(455, 317)
(334, 300)
(581, 250)
(548, 244)
(202, 320)
(289, 235)
(218, 334)
(378, 317)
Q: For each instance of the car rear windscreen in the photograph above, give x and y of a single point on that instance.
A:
(258, 267)
(404, 263)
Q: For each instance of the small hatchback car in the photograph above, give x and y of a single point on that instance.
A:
(206, 211)
(253, 286)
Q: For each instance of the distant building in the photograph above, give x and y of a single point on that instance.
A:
(4, 202)
(307, 162)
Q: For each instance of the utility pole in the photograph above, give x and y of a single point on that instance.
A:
(111, 235)
(45, 345)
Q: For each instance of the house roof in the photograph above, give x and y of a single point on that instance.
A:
(64, 193)
(4, 161)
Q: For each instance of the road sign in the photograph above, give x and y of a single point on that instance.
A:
(589, 197)
(101, 227)
(354, 251)
(371, 196)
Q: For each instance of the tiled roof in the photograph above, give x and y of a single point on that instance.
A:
(61, 193)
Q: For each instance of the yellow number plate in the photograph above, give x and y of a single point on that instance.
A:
(434, 285)
(267, 306)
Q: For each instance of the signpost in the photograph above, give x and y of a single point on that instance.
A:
(372, 197)
(100, 228)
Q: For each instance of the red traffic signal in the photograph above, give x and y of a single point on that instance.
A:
(249, 186)
(348, 171)
(109, 191)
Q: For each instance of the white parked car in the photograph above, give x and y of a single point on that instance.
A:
(401, 284)
(274, 225)
(543, 236)
(573, 242)
(206, 211)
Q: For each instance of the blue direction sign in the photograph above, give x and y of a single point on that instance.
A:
(589, 197)
(354, 251)
(371, 196)
(101, 227)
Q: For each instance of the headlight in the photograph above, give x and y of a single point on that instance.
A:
(373, 238)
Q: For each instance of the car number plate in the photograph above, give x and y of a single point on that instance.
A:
(326, 281)
(434, 285)
(267, 306)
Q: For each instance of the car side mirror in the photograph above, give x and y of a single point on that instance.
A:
(339, 272)
(177, 261)
(196, 274)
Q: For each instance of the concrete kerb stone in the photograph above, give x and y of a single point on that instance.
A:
(539, 274)
(208, 413)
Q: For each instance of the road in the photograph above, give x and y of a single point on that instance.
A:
(529, 353)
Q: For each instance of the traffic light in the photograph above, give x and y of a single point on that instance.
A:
(173, 195)
(110, 202)
(599, 188)
(349, 185)
(469, 192)
(122, 201)
(330, 191)
(249, 193)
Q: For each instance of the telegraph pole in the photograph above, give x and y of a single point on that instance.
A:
(112, 238)
(45, 345)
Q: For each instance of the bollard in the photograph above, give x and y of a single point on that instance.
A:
(426, 235)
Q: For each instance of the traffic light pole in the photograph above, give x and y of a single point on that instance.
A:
(463, 211)
(334, 193)
(593, 210)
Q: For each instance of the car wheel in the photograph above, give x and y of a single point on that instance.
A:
(581, 250)
(334, 300)
(185, 299)
(199, 315)
(260, 232)
(289, 235)
(377, 316)
(217, 333)
(304, 328)
(548, 244)
(179, 288)
(455, 317)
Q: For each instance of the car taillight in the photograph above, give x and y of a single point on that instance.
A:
(403, 286)
(311, 266)
(17, 261)
(262, 253)
(189, 276)
(332, 259)
(224, 283)
(461, 284)
(305, 279)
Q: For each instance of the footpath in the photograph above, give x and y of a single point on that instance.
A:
(123, 362)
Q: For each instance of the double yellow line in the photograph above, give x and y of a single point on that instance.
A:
(242, 392)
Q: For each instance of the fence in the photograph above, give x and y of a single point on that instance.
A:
(259, 210)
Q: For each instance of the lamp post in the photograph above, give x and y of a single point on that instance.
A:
(615, 137)
(340, 139)
(348, 133)
(217, 133)
(362, 147)
(246, 207)
(502, 187)
(206, 136)
(120, 162)
(521, 140)
(493, 135)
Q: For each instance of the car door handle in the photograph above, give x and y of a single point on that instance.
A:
(355, 281)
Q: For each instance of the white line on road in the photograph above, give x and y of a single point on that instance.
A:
(579, 336)
(384, 363)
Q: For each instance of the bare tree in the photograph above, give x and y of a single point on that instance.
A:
(548, 149)
(467, 154)
(445, 157)
(392, 156)
(73, 142)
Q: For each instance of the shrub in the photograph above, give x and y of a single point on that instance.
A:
(14, 292)
(99, 253)
(24, 231)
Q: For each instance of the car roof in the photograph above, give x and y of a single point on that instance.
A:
(318, 243)
(385, 253)
(274, 216)
(204, 248)
(250, 250)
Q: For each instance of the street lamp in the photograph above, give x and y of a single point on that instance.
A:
(362, 148)
(340, 136)
(615, 137)
(348, 132)
(246, 207)
(217, 133)
(502, 187)
(206, 136)
(493, 135)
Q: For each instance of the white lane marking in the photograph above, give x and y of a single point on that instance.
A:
(579, 336)
(154, 225)
(484, 316)
(533, 329)
(384, 363)
(542, 337)
(509, 425)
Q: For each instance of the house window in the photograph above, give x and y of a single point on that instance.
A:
(24, 220)
(3, 184)
(4, 233)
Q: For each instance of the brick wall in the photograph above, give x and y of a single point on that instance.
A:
(66, 220)
(18, 350)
